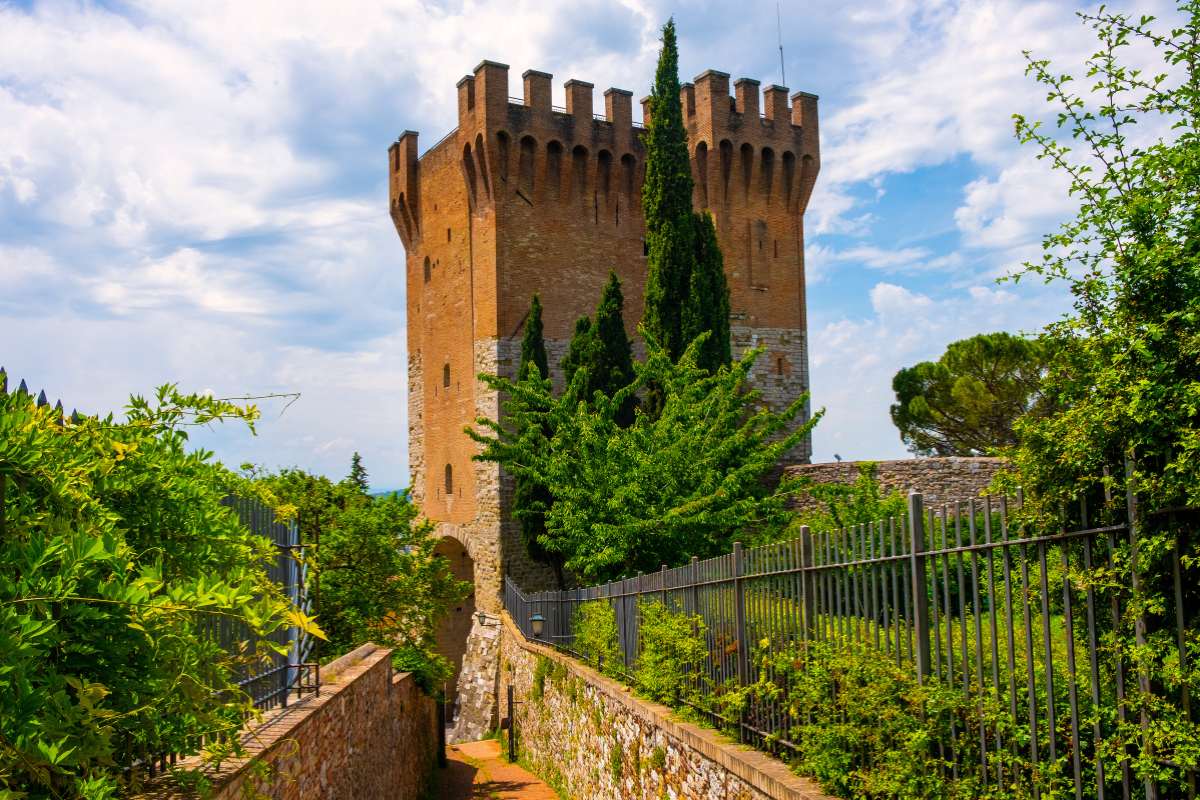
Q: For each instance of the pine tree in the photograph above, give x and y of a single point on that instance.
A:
(533, 345)
(612, 354)
(358, 474)
(707, 305)
(532, 498)
(667, 205)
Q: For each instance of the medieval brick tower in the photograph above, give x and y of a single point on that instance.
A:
(526, 197)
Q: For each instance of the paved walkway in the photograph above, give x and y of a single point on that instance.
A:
(477, 771)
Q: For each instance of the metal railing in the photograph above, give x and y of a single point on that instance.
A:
(952, 595)
(270, 683)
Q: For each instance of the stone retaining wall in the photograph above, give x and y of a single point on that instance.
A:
(370, 735)
(940, 480)
(591, 738)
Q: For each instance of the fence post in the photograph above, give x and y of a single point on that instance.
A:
(512, 727)
(662, 585)
(694, 579)
(739, 594)
(1139, 622)
(739, 606)
(808, 587)
(916, 527)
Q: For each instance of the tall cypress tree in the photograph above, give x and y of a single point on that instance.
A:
(612, 365)
(579, 354)
(531, 498)
(667, 204)
(707, 306)
(533, 345)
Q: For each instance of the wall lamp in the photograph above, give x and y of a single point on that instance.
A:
(536, 623)
(483, 618)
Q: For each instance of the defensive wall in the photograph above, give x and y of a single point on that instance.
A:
(371, 734)
(593, 738)
(940, 480)
(523, 197)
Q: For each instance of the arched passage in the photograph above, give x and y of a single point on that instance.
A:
(456, 626)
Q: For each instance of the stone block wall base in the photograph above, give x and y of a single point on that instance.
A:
(477, 685)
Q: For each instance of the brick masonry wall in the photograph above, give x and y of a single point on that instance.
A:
(371, 735)
(590, 736)
(941, 480)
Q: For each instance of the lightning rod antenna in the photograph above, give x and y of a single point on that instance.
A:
(779, 28)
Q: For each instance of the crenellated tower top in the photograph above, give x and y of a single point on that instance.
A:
(496, 130)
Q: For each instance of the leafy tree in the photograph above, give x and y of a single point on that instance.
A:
(1125, 379)
(378, 575)
(965, 403)
(682, 483)
(667, 205)
(358, 473)
(706, 308)
(531, 498)
(117, 559)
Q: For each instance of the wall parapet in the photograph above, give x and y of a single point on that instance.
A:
(371, 734)
(594, 738)
(940, 479)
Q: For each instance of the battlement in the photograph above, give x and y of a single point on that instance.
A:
(528, 150)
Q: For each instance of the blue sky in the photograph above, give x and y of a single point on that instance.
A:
(196, 193)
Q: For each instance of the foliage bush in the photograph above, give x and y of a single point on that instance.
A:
(595, 628)
(841, 505)
(378, 576)
(1124, 386)
(117, 561)
(667, 487)
(672, 651)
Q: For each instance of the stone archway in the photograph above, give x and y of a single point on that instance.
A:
(455, 628)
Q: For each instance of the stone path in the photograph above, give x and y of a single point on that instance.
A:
(477, 771)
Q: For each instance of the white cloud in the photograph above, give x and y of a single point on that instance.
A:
(854, 360)
(196, 192)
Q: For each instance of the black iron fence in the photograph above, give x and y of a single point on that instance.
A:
(956, 595)
(271, 682)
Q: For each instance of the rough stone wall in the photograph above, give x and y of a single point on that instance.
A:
(781, 372)
(940, 480)
(595, 740)
(475, 706)
(370, 735)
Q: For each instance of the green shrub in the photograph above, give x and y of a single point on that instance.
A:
(117, 558)
(865, 727)
(542, 670)
(658, 759)
(673, 650)
(616, 760)
(596, 636)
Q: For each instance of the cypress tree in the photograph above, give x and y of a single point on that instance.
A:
(707, 305)
(667, 204)
(611, 367)
(533, 345)
(579, 354)
(531, 498)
